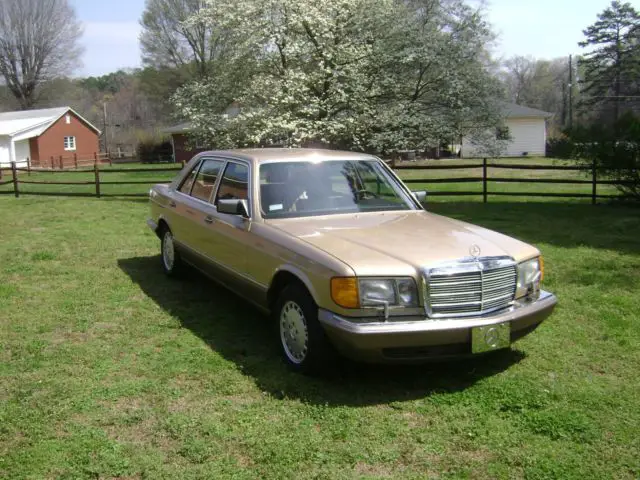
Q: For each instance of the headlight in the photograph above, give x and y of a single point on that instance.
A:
(349, 292)
(376, 292)
(529, 277)
(407, 292)
(394, 292)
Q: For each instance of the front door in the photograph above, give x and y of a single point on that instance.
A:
(198, 212)
(193, 204)
(233, 231)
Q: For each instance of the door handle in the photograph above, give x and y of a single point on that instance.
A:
(208, 219)
(172, 204)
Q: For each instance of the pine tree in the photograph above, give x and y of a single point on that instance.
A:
(611, 65)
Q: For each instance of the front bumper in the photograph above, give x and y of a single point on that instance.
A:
(418, 339)
(152, 224)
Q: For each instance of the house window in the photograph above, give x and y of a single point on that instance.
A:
(69, 143)
(67, 118)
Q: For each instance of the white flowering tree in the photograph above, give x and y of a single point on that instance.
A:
(362, 74)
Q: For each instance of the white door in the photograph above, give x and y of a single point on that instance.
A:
(23, 152)
(4, 152)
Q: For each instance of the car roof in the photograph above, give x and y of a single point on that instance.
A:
(260, 155)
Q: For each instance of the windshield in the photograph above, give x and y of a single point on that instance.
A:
(301, 189)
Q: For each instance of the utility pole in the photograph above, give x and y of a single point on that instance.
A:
(570, 92)
(104, 121)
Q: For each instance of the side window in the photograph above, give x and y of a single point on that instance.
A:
(187, 183)
(205, 181)
(234, 183)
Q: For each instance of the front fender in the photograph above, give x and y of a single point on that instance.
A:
(300, 275)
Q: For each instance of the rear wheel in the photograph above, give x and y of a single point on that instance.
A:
(304, 344)
(171, 261)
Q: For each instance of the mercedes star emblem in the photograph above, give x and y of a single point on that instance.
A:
(491, 337)
(474, 251)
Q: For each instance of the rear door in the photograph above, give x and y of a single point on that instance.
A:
(178, 209)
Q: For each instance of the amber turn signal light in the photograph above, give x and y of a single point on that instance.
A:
(344, 292)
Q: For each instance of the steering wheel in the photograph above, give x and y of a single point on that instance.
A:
(366, 195)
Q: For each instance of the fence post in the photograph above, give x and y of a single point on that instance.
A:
(110, 160)
(0, 171)
(14, 172)
(95, 158)
(75, 160)
(61, 163)
(52, 161)
(183, 163)
(29, 166)
(594, 183)
(484, 180)
(97, 176)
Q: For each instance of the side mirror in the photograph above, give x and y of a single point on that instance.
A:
(420, 196)
(234, 206)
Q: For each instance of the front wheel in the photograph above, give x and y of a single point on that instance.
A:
(171, 261)
(305, 346)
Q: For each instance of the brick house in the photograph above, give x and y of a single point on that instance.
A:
(183, 148)
(38, 135)
(183, 144)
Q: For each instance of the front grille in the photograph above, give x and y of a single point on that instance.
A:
(470, 287)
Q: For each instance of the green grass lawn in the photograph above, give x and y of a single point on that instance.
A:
(109, 369)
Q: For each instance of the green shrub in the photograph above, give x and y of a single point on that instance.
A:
(154, 148)
(614, 150)
(559, 147)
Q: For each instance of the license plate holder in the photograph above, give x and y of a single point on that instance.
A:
(490, 337)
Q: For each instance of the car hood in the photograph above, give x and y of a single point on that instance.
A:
(398, 243)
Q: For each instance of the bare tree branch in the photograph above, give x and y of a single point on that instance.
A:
(171, 38)
(38, 43)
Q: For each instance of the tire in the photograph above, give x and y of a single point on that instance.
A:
(303, 342)
(169, 256)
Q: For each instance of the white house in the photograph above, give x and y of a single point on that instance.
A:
(526, 127)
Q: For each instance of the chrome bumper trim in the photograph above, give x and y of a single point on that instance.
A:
(151, 224)
(520, 310)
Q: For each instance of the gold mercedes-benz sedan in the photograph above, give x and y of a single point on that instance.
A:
(345, 258)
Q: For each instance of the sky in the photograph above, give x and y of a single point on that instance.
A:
(110, 40)
(543, 28)
(539, 28)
